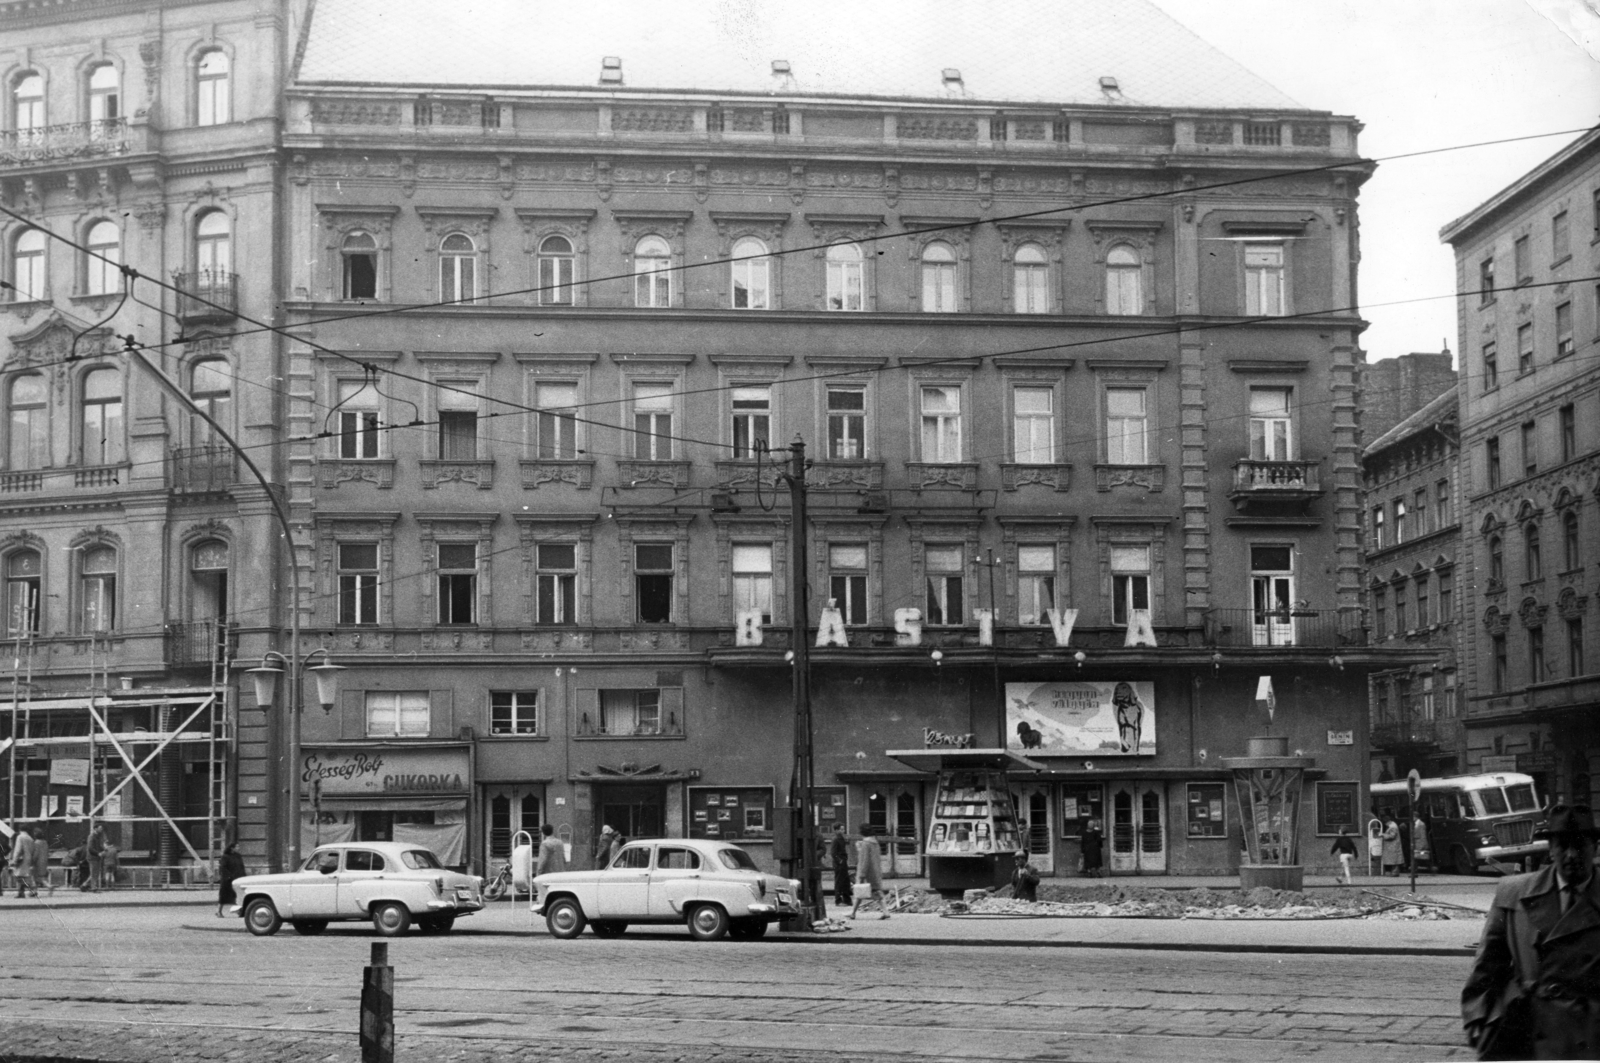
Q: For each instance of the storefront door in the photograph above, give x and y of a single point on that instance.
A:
(895, 810)
(509, 808)
(1034, 824)
(1138, 833)
(632, 811)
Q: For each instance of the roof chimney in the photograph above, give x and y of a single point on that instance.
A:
(951, 79)
(611, 70)
(1108, 85)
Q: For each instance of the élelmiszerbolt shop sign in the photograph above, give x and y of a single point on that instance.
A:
(386, 771)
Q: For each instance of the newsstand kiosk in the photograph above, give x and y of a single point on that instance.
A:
(973, 830)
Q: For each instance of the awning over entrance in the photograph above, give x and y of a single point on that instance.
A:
(932, 760)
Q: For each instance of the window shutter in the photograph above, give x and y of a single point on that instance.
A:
(672, 710)
(588, 721)
(441, 720)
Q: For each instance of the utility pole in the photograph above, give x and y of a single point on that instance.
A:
(810, 872)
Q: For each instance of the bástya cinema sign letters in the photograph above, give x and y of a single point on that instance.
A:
(385, 771)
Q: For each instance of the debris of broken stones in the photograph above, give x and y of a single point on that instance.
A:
(1110, 901)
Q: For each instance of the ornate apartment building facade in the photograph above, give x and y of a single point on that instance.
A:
(1525, 262)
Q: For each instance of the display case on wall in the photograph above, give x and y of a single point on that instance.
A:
(731, 813)
(973, 829)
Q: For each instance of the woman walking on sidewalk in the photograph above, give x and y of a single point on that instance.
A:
(1345, 849)
(230, 869)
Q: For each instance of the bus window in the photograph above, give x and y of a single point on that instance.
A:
(1521, 797)
(1493, 802)
(1466, 807)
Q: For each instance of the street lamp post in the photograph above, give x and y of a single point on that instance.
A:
(266, 676)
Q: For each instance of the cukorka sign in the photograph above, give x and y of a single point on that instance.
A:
(385, 771)
(1116, 719)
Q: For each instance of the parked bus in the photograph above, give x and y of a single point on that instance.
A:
(1474, 819)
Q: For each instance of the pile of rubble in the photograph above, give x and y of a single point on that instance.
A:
(1108, 901)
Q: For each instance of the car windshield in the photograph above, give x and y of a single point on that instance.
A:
(1493, 802)
(737, 859)
(1521, 797)
(420, 860)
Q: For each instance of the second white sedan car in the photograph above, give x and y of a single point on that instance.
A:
(712, 887)
(394, 884)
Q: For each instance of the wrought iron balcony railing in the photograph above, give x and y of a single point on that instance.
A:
(211, 467)
(53, 143)
(199, 642)
(207, 295)
(1308, 628)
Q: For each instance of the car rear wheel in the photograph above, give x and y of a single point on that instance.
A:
(748, 929)
(564, 918)
(608, 928)
(391, 919)
(708, 923)
(261, 916)
(1461, 862)
(309, 927)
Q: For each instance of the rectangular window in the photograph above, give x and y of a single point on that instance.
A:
(458, 420)
(358, 583)
(652, 421)
(1491, 453)
(1498, 649)
(1522, 260)
(847, 424)
(630, 712)
(1402, 531)
(941, 424)
(1130, 581)
(1272, 595)
(1380, 533)
(752, 579)
(1564, 345)
(397, 714)
(1491, 367)
(99, 589)
(1445, 506)
(458, 583)
(514, 712)
(1525, 348)
(1380, 612)
(1560, 238)
(1271, 436)
(1421, 586)
(557, 424)
(1126, 427)
(943, 566)
(847, 581)
(1082, 804)
(1486, 280)
(752, 420)
(1206, 805)
(1569, 432)
(1036, 583)
(1447, 706)
(1033, 428)
(557, 577)
(1536, 655)
(652, 564)
(1446, 596)
(1575, 646)
(1263, 280)
(1530, 448)
(1419, 511)
(1400, 609)
(358, 420)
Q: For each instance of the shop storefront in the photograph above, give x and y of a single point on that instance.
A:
(416, 793)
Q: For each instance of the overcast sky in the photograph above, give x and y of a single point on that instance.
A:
(1420, 74)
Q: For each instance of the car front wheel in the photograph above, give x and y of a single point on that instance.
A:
(391, 919)
(708, 923)
(748, 929)
(261, 916)
(565, 918)
(309, 927)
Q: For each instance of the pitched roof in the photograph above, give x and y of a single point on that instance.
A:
(1052, 51)
(1443, 408)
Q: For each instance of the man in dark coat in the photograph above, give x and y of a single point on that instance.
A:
(1534, 991)
(839, 857)
(1024, 879)
(1093, 843)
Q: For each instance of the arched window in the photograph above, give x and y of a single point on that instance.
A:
(1569, 535)
(1497, 559)
(211, 390)
(846, 285)
(360, 254)
(101, 275)
(939, 279)
(213, 251)
(27, 266)
(30, 432)
(97, 591)
(556, 261)
(102, 417)
(458, 269)
(1030, 277)
(27, 108)
(213, 99)
(24, 568)
(652, 284)
(105, 91)
(1533, 562)
(752, 275)
(1124, 277)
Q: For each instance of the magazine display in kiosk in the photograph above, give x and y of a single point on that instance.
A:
(973, 831)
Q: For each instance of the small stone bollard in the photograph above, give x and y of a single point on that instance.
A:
(377, 1007)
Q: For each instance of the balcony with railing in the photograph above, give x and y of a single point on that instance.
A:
(199, 643)
(1266, 484)
(210, 467)
(64, 143)
(1306, 628)
(207, 295)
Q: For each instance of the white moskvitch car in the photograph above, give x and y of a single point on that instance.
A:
(712, 887)
(394, 884)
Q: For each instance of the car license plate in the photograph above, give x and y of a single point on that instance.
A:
(463, 893)
(783, 896)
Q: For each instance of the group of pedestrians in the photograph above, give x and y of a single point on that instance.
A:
(29, 862)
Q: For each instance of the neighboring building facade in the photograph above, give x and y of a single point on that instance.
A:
(1525, 262)
(539, 519)
(1395, 388)
(136, 557)
(1411, 473)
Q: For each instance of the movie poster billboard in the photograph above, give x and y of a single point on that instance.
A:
(1116, 719)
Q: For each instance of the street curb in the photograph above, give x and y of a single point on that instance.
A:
(1141, 946)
